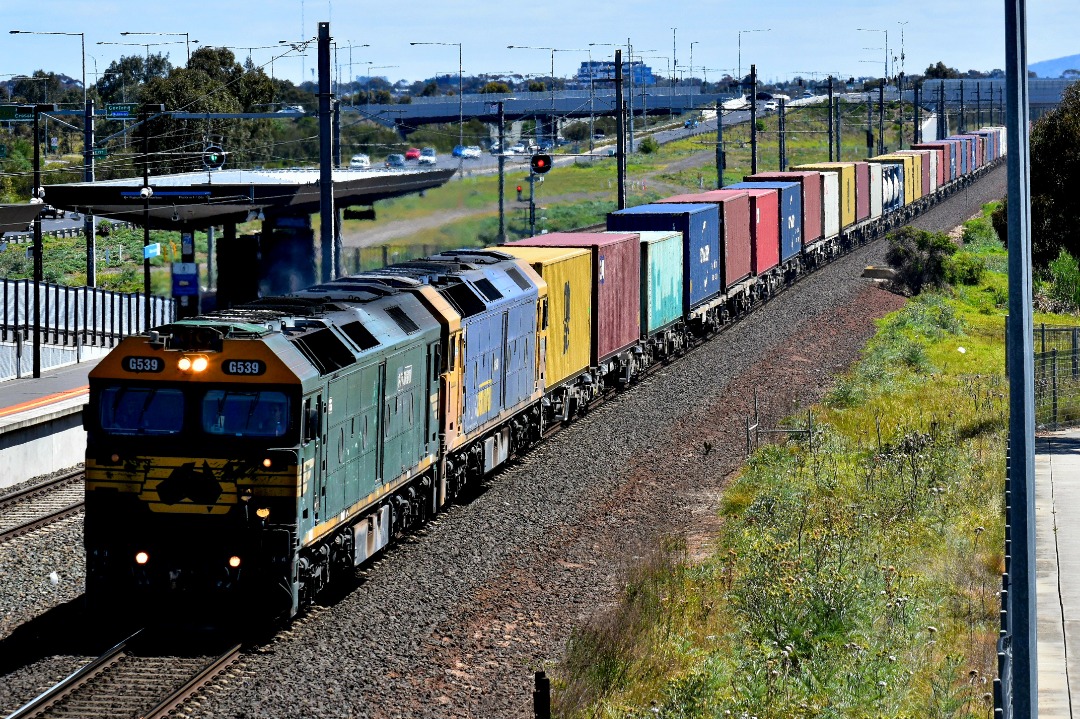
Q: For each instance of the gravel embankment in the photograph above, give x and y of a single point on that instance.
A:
(454, 621)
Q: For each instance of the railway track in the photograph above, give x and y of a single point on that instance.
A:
(40, 505)
(130, 680)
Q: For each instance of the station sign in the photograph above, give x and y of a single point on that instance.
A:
(16, 113)
(151, 250)
(121, 110)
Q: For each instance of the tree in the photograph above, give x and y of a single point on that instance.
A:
(430, 90)
(1055, 175)
(122, 78)
(495, 87)
(536, 86)
(941, 71)
(38, 88)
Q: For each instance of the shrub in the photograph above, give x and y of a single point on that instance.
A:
(1065, 279)
(104, 228)
(919, 258)
(648, 146)
(964, 268)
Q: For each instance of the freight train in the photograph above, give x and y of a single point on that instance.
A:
(247, 459)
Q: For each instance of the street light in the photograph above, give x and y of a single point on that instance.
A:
(739, 37)
(147, 46)
(695, 42)
(901, 23)
(88, 152)
(461, 109)
(187, 38)
(867, 29)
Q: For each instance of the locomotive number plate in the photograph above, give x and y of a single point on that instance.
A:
(245, 367)
(143, 364)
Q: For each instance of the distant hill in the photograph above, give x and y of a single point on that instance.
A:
(1055, 68)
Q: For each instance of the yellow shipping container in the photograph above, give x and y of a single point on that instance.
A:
(846, 170)
(910, 194)
(568, 273)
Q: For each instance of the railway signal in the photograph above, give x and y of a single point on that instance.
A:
(541, 163)
(213, 157)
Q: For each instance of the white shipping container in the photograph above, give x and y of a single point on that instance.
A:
(877, 190)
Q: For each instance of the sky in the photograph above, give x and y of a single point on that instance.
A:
(790, 37)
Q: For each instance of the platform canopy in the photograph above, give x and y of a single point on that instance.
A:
(16, 218)
(197, 200)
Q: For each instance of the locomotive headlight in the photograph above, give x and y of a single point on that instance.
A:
(268, 462)
(194, 363)
(234, 561)
(142, 558)
(199, 364)
(184, 364)
(262, 512)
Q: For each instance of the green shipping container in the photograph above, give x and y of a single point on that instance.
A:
(661, 280)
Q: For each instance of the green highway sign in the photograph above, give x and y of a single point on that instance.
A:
(16, 112)
(119, 110)
(101, 152)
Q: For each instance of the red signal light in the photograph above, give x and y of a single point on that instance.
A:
(541, 163)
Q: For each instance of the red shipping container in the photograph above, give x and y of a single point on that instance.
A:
(764, 230)
(942, 162)
(862, 191)
(735, 243)
(813, 216)
(616, 300)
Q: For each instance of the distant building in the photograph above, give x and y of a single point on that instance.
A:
(636, 72)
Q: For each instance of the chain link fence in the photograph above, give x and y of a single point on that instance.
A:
(1057, 375)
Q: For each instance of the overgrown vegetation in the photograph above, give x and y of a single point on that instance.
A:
(857, 577)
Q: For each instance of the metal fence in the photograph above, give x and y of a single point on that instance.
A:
(73, 321)
(1057, 375)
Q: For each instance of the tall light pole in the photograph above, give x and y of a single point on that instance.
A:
(868, 29)
(695, 42)
(187, 38)
(461, 107)
(674, 60)
(901, 23)
(739, 36)
(351, 46)
(88, 154)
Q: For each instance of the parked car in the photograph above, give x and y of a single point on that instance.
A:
(395, 160)
(472, 152)
(413, 153)
(518, 148)
(772, 105)
(428, 156)
(52, 213)
(292, 109)
(359, 162)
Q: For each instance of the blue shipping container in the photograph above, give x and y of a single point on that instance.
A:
(700, 228)
(790, 213)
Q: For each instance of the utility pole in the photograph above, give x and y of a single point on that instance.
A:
(839, 153)
(941, 111)
(620, 143)
(502, 170)
(326, 157)
(963, 109)
(869, 125)
(831, 129)
(900, 92)
(978, 103)
(918, 114)
(719, 144)
(753, 119)
(881, 118)
(88, 176)
(38, 254)
(782, 127)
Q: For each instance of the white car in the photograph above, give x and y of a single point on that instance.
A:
(471, 152)
(359, 162)
(428, 156)
(517, 148)
(292, 109)
(772, 105)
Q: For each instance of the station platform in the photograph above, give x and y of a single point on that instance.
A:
(41, 423)
(1057, 572)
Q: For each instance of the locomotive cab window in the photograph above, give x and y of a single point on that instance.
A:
(141, 410)
(245, 414)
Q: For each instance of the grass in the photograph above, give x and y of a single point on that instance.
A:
(858, 577)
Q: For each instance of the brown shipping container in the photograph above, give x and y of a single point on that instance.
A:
(943, 160)
(734, 207)
(812, 216)
(862, 191)
(616, 305)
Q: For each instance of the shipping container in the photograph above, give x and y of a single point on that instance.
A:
(847, 180)
(735, 246)
(764, 229)
(812, 218)
(877, 189)
(700, 228)
(923, 168)
(790, 198)
(940, 162)
(616, 268)
(661, 280)
(862, 191)
(906, 177)
(893, 185)
(830, 204)
(568, 274)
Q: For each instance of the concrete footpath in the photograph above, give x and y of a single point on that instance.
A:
(1057, 571)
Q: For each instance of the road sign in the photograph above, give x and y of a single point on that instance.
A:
(118, 110)
(101, 152)
(16, 112)
(151, 250)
